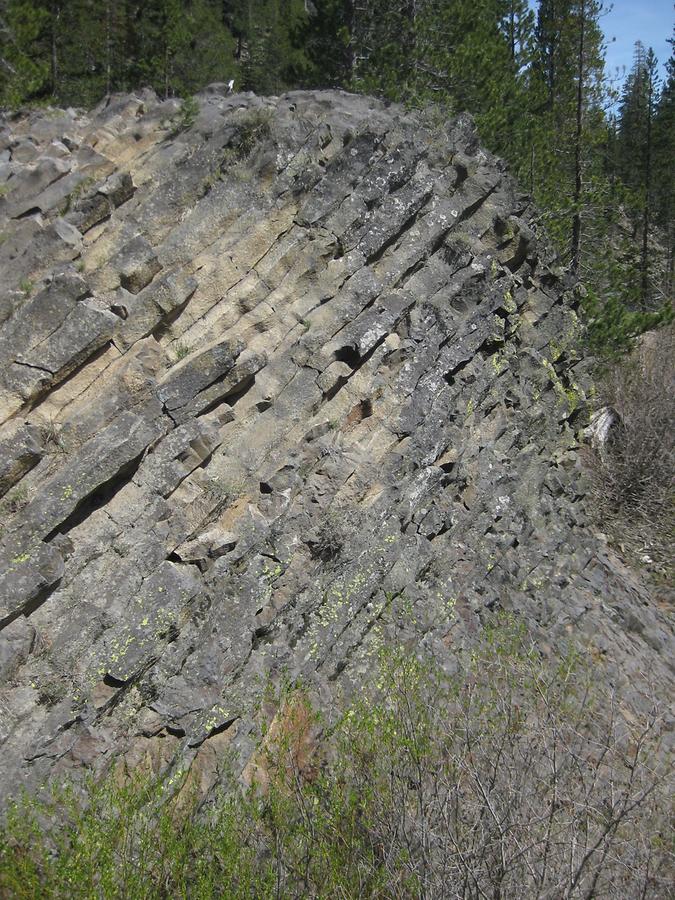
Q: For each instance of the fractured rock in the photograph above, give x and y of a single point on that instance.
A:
(267, 401)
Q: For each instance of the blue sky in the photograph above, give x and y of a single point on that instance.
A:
(650, 21)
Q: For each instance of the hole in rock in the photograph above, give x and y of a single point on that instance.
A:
(175, 731)
(348, 355)
(33, 211)
(362, 410)
(266, 488)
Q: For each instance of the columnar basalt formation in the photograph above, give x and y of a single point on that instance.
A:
(274, 388)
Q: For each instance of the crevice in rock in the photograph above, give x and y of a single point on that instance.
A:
(122, 686)
(39, 397)
(240, 391)
(337, 387)
(163, 327)
(217, 729)
(98, 498)
(231, 398)
(33, 211)
(19, 362)
(476, 205)
(31, 606)
(175, 731)
(450, 376)
(370, 623)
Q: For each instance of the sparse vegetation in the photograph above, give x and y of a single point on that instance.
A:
(53, 440)
(634, 483)
(254, 127)
(14, 500)
(78, 191)
(26, 286)
(227, 490)
(186, 117)
(518, 777)
(337, 527)
(181, 351)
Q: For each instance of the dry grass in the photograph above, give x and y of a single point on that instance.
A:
(633, 472)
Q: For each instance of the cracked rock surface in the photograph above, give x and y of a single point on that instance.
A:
(273, 389)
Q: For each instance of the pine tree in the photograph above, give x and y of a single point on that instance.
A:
(632, 122)
(322, 42)
(568, 89)
(24, 59)
(651, 78)
(664, 172)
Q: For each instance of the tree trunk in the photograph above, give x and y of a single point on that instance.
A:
(644, 262)
(578, 183)
(56, 13)
(108, 47)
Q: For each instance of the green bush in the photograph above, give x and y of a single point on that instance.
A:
(186, 117)
(612, 325)
(514, 778)
(253, 128)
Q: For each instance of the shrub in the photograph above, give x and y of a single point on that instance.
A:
(186, 117)
(254, 127)
(612, 325)
(181, 350)
(634, 471)
(515, 778)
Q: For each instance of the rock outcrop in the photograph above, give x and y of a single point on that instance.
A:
(274, 388)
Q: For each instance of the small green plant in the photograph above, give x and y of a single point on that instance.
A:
(4, 190)
(186, 117)
(52, 436)
(254, 127)
(227, 490)
(14, 500)
(181, 351)
(26, 286)
(339, 525)
(78, 191)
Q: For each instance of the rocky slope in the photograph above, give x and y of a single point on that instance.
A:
(276, 385)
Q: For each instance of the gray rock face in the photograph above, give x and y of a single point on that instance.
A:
(272, 390)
